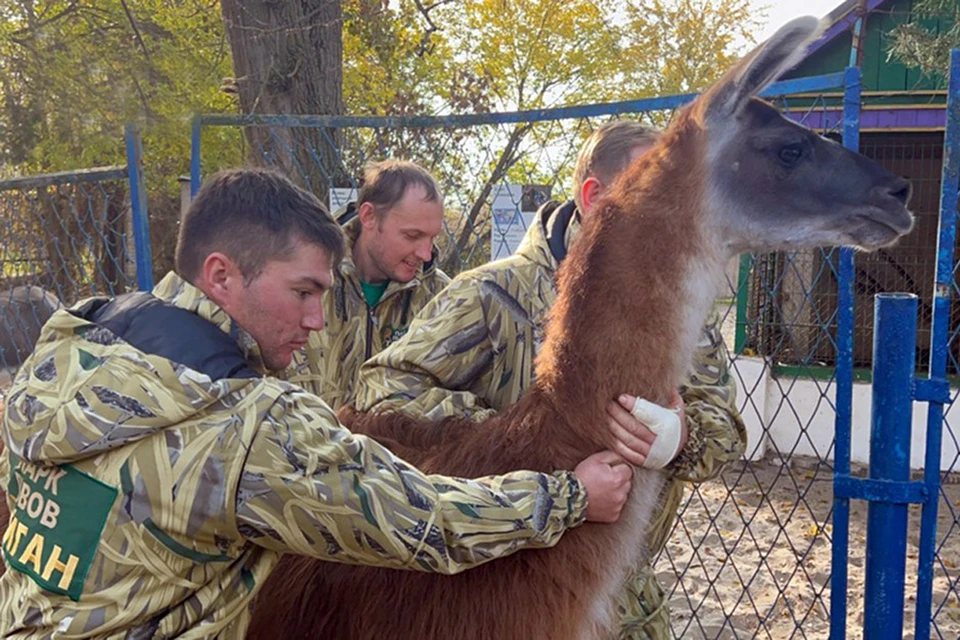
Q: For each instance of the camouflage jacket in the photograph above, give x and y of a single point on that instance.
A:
(471, 351)
(329, 364)
(151, 497)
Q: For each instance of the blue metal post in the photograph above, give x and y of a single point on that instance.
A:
(940, 338)
(195, 130)
(844, 419)
(894, 359)
(138, 203)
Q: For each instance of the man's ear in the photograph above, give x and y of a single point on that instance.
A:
(368, 215)
(590, 192)
(220, 279)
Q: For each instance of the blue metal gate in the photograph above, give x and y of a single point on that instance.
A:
(889, 489)
(66, 236)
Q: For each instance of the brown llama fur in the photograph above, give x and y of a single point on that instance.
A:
(604, 338)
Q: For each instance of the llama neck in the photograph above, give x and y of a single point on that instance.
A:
(635, 292)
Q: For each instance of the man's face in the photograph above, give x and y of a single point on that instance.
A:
(401, 239)
(282, 305)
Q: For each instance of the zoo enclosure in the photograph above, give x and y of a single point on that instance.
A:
(81, 233)
(809, 314)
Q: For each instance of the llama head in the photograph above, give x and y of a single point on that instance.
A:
(773, 184)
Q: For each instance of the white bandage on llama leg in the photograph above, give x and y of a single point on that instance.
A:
(665, 423)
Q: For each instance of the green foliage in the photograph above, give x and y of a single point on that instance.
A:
(483, 55)
(926, 39)
(682, 46)
(72, 73)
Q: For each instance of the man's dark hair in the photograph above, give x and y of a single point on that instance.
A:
(253, 216)
(385, 183)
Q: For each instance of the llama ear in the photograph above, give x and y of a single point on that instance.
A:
(762, 67)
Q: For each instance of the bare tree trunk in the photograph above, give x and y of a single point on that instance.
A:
(110, 230)
(288, 59)
(60, 255)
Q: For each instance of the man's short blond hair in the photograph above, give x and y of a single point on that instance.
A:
(385, 184)
(607, 152)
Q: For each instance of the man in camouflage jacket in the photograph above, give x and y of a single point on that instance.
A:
(388, 274)
(471, 352)
(154, 474)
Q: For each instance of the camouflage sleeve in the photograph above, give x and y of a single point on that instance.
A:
(4, 460)
(311, 487)
(435, 369)
(717, 435)
(305, 368)
(441, 280)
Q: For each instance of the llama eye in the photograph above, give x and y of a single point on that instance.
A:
(790, 154)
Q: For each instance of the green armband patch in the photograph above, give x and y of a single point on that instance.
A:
(55, 526)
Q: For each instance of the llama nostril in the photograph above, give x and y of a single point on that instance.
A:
(901, 190)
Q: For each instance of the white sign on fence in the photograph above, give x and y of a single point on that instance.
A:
(341, 197)
(513, 210)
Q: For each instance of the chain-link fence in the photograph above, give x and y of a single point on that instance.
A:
(939, 554)
(63, 237)
(750, 554)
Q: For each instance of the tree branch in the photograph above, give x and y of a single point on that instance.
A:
(136, 32)
(431, 25)
(70, 8)
(508, 158)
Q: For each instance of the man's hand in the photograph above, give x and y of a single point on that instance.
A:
(634, 439)
(606, 478)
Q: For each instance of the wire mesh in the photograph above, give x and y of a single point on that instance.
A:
(946, 568)
(63, 237)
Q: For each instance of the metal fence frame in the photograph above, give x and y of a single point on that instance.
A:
(133, 173)
(944, 288)
(138, 202)
(888, 490)
(800, 85)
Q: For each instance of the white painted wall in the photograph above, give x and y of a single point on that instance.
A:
(799, 417)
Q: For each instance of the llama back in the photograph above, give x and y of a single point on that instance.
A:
(522, 596)
(531, 434)
(569, 592)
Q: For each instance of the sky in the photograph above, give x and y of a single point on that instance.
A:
(779, 12)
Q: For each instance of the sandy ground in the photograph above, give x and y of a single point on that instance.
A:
(752, 557)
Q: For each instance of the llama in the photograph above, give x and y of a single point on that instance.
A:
(730, 175)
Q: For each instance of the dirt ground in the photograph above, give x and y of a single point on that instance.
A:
(752, 557)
